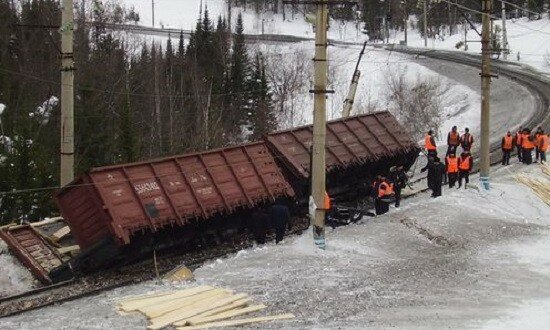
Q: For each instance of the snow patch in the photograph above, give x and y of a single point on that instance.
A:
(15, 278)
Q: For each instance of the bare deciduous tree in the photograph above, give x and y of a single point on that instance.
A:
(416, 104)
(289, 82)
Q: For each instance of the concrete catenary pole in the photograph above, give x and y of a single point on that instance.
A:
(425, 9)
(504, 36)
(67, 93)
(318, 168)
(348, 102)
(153, 12)
(486, 7)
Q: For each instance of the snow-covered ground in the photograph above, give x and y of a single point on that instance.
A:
(14, 277)
(469, 259)
(459, 102)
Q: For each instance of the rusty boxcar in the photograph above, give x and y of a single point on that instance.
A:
(119, 201)
(357, 149)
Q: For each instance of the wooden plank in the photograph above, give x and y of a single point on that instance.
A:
(68, 249)
(187, 312)
(145, 296)
(237, 304)
(157, 310)
(134, 305)
(64, 231)
(239, 322)
(228, 314)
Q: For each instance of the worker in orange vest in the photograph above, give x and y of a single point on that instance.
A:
(465, 164)
(507, 145)
(538, 135)
(527, 146)
(384, 195)
(519, 135)
(429, 144)
(451, 163)
(466, 140)
(453, 141)
(543, 147)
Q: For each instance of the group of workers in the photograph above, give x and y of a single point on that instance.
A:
(276, 217)
(456, 169)
(525, 143)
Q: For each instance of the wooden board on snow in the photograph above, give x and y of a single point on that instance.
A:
(239, 322)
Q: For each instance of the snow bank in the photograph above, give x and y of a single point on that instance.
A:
(14, 278)
(531, 315)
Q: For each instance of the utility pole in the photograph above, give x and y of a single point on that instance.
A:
(318, 153)
(318, 167)
(67, 93)
(348, 102)
(465, 36)
(504, 36)
(153, 11)
(425, 9)
(486, 7)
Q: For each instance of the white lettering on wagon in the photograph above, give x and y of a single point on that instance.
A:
(117, 192)
(146, 187)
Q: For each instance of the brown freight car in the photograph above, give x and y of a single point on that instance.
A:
(119, 201)
(357, 149)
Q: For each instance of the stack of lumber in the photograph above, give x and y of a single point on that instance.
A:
(545, 169)
(541, 187)
(200, 307)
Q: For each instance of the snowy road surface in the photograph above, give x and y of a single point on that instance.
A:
(465, 260)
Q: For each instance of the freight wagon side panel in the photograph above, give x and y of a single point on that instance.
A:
(351, 141)
(81, 206)
(32, 250)
(147, 196)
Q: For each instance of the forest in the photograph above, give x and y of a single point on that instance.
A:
(134, 100)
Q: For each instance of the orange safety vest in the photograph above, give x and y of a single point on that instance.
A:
(507, 142)
(428, 143)
(453, 138)
(385, 189)
(452, 165)
(467, 138)
(327, 202)
(545, 141)
(464, 164)
(518, 138)
(538, 138)
(526, 143)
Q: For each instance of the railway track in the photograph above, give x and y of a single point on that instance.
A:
(126, 275)
(536, 82)
(136, 273)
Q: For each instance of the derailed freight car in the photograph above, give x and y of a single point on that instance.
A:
(131, 208)
(155, 202)
(358, 148)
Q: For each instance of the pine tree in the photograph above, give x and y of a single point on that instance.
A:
(262, 117)
(238, 98)
(372, 13)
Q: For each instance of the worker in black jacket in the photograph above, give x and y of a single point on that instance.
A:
(258, 223)
(399, 179)
(280, 217)
(436, 175)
